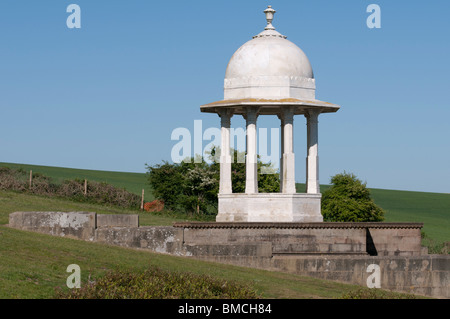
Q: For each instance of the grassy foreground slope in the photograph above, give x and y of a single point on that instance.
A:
(433, 209)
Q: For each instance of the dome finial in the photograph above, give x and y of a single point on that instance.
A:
(269, 17)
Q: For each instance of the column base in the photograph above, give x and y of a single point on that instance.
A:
(269, 207)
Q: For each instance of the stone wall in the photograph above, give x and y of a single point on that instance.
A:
(79, 225)
(375, 239)
(343, 252)
(159, 239)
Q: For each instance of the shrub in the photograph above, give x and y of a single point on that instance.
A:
(155, 283)
(374, 293)
(348, 200)
(166, 181)
(12, 180)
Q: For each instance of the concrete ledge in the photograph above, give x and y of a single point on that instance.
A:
(378, 225)
(106, 220)
(71, 224)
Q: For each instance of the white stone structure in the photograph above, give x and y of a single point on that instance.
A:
(269, 75)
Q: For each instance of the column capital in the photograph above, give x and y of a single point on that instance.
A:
(312, 115)
(225, 117)
(287, 114)
(251, 113)
(280, 116)
(225, 113)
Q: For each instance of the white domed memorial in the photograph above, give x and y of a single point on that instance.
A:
(270, 75)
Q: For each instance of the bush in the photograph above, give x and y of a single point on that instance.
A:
(374, 293)
(12, 180)
(155, 283)
(348, 200)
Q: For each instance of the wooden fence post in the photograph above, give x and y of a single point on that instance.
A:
(31, 177)
(85, 187)
(142, 200)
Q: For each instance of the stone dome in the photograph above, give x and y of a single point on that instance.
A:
(269, 67)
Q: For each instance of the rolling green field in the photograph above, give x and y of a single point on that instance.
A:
(432, 209)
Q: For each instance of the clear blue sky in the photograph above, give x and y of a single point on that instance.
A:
(107, 96)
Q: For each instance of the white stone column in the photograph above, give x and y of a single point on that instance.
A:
(225, 184)
(312, 160)
(251, 160)
(288, 152)
(280, 117)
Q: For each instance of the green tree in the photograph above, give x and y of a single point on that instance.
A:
(166, 180)
(348, 200)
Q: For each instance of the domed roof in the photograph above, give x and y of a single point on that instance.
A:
(269, 66)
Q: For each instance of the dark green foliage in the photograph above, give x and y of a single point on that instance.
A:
(185, 187)
(348, 200)
(167, 182)
(373, 293)
(155, 283)
(99, 193)
(192, 188)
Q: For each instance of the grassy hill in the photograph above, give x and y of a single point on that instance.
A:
(433, 209)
